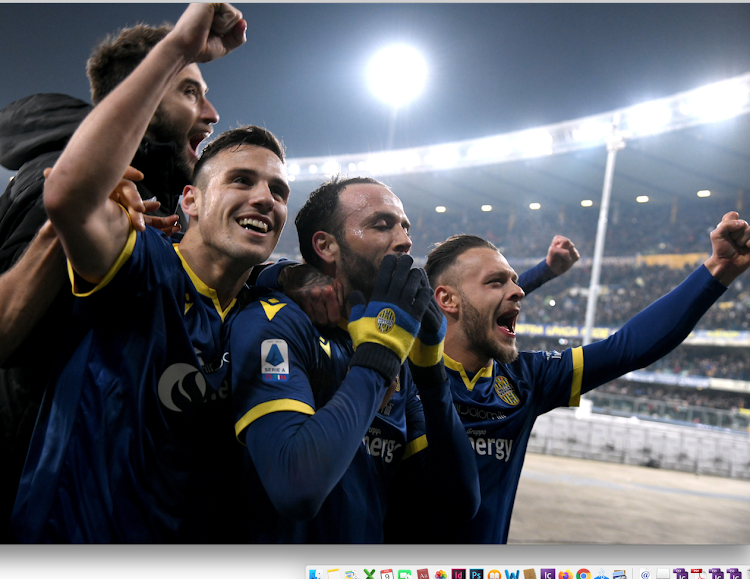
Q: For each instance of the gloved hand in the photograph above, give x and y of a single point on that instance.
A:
(383, 331)
(428, 347)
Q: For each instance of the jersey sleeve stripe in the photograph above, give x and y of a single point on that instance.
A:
(284, 405)
(415, 446)
(575, 387)
(126, 252)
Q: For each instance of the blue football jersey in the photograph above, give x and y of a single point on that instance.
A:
(282, 364)
(135, 431)
(498, 407)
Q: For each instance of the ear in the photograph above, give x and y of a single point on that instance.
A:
(190, 199)
(448, 299)
(326, 247)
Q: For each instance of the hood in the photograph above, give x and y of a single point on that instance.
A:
(38, 124)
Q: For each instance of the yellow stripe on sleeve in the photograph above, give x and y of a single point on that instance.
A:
(415, 446)
(125, 254)
(283, 405)
(575, 387)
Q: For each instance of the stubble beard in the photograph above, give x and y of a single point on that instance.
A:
(359, 271)
(165, 130)
(475, 327)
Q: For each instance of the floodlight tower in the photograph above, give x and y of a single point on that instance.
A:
(397, 75)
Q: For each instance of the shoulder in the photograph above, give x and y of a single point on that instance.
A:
(271, 314)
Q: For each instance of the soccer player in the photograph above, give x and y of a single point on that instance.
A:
(498, 392)
(134, 438)
(329, 416)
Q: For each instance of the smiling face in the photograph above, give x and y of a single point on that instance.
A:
(184, 117)
(238, 205)
(374, 225)
(486, 298)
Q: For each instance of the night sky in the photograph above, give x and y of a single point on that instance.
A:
(493, 67)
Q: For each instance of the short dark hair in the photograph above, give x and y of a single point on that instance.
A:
(443, 255)
(115, 57)
(247, 135)
(321, 213)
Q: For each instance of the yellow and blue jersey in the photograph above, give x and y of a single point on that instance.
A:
(134, 434)
(313, 426)
(498, 407)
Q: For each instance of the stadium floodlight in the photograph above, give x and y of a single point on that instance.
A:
(397, 74)
(716, 102)
(587, 203)
(313, 169)
(444, 156)
(486, 208)
(649, 118)
(704, 193)
(352, 167)
(677, 112)
(440, 209)
(535, 143)
(592, 131)
(642, 199)
(293, 169)
(331, 168)
(535, 206)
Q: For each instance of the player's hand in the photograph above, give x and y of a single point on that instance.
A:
(389, 323)
(206, 32)
(320, 296)
(562, 254)
(428, 347)
(731, 248)
(127, 195)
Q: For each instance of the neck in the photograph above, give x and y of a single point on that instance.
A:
(218, 272)
(458, 347)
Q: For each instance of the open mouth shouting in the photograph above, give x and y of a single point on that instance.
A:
(506, 323)
(195, 140)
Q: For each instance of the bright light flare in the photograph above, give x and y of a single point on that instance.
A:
(535, 142)
(715, 103)
(704, 193)
(397, 74)
(535, 206)
(587, 203)
(642, 199)
(486, 208)
(649, 118)
(440, 209)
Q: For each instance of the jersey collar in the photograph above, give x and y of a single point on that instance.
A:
(202, 288)
(485, 372)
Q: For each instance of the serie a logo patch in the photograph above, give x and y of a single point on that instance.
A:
(274, 360)
(386, 320)
(505, 391)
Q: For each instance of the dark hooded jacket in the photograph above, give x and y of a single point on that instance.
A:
(33, 133)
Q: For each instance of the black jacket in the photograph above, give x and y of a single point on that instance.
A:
(33, 133)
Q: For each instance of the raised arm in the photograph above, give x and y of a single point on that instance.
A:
(663, 325)
(93, 229)
(561, 256)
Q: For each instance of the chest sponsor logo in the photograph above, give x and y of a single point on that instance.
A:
(378, 446)
(474, 413)
(274, 360)
(484, 446)
(386, 320)
(505, 391)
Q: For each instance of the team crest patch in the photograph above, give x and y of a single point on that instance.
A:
(386, 320)
(274, 360)
(505, 391)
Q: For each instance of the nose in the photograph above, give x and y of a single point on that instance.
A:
(517, 294)
(262, 198)
(208, 112)
(402, 241)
